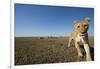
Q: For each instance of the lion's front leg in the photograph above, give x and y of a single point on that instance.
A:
(87, 49)
(78, 49)
(69, 41)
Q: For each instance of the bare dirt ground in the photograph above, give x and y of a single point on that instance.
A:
(41, 50)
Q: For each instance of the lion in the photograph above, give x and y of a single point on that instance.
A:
(80, 35)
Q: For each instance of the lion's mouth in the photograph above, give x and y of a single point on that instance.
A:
(83, 34)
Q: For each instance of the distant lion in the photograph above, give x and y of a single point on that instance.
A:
(80, 34)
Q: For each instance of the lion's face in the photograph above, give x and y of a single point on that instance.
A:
(82, 26)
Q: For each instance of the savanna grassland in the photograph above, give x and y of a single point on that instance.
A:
(41, 50)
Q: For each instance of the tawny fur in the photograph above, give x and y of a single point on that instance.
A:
(80, 34)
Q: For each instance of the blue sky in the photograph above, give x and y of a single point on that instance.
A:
(43, 20)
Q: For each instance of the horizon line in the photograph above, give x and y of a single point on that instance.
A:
(46, 36)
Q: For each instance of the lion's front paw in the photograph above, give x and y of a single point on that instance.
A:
(80, 55)
(88, 59)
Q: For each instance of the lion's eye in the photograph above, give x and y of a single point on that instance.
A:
(78, 26)
(85, 26)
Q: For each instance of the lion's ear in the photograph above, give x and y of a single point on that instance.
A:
(87, 19)
(76, 21)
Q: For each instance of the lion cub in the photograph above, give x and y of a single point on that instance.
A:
(80, 34)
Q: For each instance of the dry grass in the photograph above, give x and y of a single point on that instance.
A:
(40, 50)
